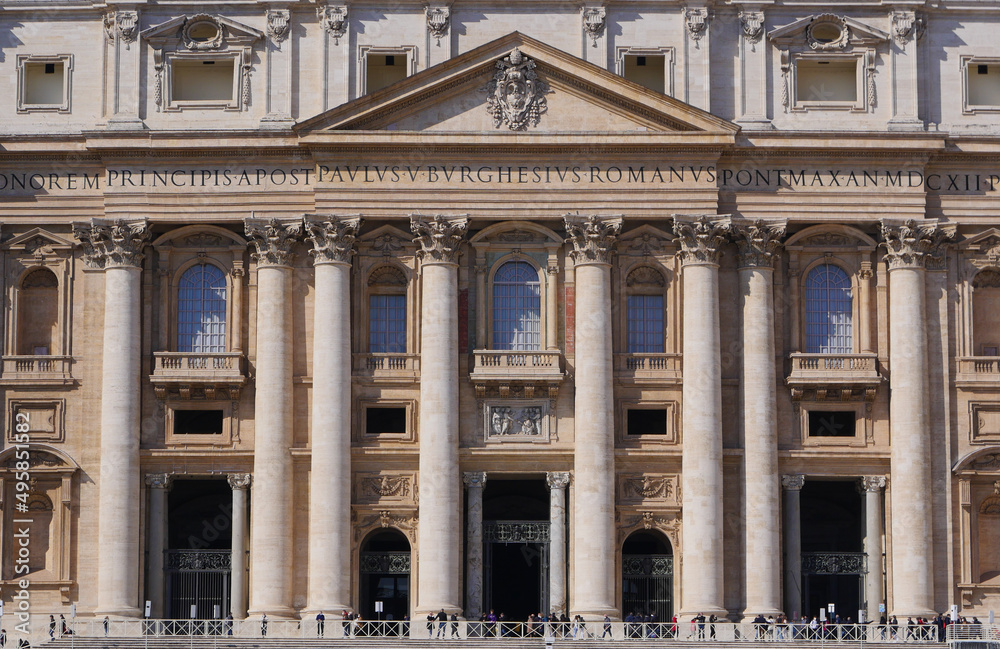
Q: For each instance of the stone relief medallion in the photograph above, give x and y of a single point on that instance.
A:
(516, 96)
(517, 422)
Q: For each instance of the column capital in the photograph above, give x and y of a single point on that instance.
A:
(159, 480)
(332, 238)
(593, 237)
(239, 480)
(557, 479)
(758, 242)
(112, 244)
(793, 481)
(872, 483)
(272, 240)
(701, 239)
(439, 237)
(910, 245)
(474, 479)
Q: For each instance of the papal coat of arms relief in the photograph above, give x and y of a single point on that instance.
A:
(516, 96)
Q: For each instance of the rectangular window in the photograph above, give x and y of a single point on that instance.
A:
(983, 84)
(385, 421)
(826, 81)
(646, 421)
(384, 70)
(646, 70)
(203, 80)
(44, 82)
(387, 324)
(645, 324)
(832, 423)
(198, 422)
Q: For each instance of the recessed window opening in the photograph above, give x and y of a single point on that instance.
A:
(645, 324)
(198, 422)
(984, 84)
(43, 84)
(517, 307)
(201, 310)
(383, 70)
(828, 311)
(203, 80)
(646, 421)
(832, 423)
(381, 420)
(646, 70)
(826, 81)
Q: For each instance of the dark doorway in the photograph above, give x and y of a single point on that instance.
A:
(516, 553)
(833, 560)
(199, 549)
(385, 575)
(648, 575)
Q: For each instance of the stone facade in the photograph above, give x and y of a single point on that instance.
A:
(760, 150)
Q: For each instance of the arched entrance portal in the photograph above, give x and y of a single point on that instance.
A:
(385, 575)
(648, 575)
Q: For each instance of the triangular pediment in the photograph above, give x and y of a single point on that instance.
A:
(185, 29)
(558, 91)
(985, 239)
(38, 239)
(820, 32)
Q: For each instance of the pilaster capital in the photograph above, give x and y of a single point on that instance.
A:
(793, 481)
(272, 240)
(758, 242)
(239, 480)
(752, 26)
(593, 237)
(123, 24)
(439, 237)
(474, 479)
(277, 24)
(872, 483)
(911, 245)
(159, 480)
(332, 238)
(557, 479)
(701, 239)
(112, 244)
(907, 25)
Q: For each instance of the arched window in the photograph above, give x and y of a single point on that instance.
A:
(644, 311)
(517, 307)
(38, 313)
(387, 311)
(828, 311)
(986, 312)
(201, 310)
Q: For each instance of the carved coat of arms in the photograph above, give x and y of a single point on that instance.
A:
(516, 94)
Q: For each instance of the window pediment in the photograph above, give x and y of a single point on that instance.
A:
(827, 33)
(201, 32)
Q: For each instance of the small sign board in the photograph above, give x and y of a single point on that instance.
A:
(194, 611)
(379, 607)
(149, 608)
(881, 608)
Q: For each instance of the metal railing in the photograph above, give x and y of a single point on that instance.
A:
(217, 632)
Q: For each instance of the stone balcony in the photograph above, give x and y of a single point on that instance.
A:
(388, 368)
(648, 369)
(212, 375)
(842, 376)
(37, 370)
(983, 371)
(527, 374)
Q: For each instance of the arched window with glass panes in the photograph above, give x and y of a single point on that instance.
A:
(644, 311)
(201, 310)
(828, 309)
(517, 307)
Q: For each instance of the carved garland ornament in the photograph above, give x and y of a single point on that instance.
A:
(124, 24)
(594, 20)
(332, 238)
(112, 244)
(593, 237)
(386, 486)
(272, 240)
(439, 236)
(752, 23)
(758, 242)
(438, 19)
(515, 94)
(910, 245)
(696, 21)
(333, 18)
(701, 239)
(649, 487)
(277, 24)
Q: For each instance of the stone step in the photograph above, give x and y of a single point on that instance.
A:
(221, 642)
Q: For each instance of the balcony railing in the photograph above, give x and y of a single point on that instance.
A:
(197, 367)
(388, 368)
(540, 365)
(40, 370)
(834, 369)
(648, 368)
(978, 369)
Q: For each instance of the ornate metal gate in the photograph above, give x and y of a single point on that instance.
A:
(648, 585)
(835, 564)
(534, 537)
(385, 577)
(199, 579)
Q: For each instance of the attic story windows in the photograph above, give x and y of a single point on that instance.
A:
(43, 83)
(202, 62)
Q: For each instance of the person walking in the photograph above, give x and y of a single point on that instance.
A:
(454, 625)
(52, 627)
(263, 625)
(107, 624)
(607, 628)
(320, 624)
(228, 624)
(442, 620)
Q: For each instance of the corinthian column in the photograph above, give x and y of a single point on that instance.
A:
(330, 477)
(593, 239)
(758, 244)
(872, 486)
(271, 547)
(116, 247)
(159, 486)
(240, 484)
(907, 248)
(440, 533)
(474, 483)
(557, 482)
(701, 242)
(791, 527)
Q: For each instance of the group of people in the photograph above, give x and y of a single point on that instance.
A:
(63, 628)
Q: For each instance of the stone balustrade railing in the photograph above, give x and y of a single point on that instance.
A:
(535, 365)
(859, 370)
(388, 367)
(37, 369)
(978, 370)
(197, 366)
(648, 368)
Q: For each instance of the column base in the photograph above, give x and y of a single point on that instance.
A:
(721, 613)
(421, 613)
(274, 613)
(338, 609)
(597, 616)
(118, 613)
(750, 613)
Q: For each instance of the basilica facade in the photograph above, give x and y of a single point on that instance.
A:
(650, 307)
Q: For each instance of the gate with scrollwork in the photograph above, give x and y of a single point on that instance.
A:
(199, 579)
(849, 565)
(648, 585)
(385, 577)
(516, 549)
